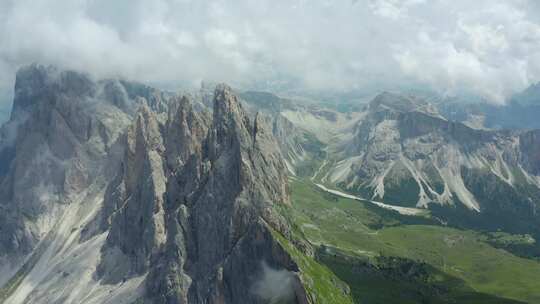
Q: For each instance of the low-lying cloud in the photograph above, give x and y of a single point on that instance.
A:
(489, 48)
(275, 286)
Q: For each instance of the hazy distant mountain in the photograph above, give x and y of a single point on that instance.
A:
(529, 97)
(401, 151)
(520, 112)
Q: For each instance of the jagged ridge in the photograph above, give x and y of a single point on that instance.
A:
(174, 205)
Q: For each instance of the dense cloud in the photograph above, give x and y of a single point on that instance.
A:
(490, 48)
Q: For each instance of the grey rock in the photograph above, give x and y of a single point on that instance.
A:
(203, 235)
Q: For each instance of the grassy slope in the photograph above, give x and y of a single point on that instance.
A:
(322, 285)
(404, 281)
(351, 226)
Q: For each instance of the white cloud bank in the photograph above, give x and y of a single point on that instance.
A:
(490, 48)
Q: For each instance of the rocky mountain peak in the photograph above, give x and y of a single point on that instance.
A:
(397, 103)
(191, 192)
(147, 129)
(228, 111)
(58, 129)
(37, 83)
(393, 101)
(231, 126)
(248, 144)
(186, 130)
(225, 102)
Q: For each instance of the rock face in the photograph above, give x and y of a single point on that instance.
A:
(193, 204)
(300, 148)
(529, 144)
(53, 148)
(139, 197)
(212, 186)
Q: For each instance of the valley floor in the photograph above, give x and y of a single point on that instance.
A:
(388, 257)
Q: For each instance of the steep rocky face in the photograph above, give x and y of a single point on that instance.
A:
(155, 99)
(193, 204)
(137, 195)
(529, 144)
(299, 147)
(296, 146)
(59, 151)
(59, 134)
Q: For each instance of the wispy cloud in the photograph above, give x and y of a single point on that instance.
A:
(275, 285)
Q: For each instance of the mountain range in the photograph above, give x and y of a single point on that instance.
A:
(116, 192)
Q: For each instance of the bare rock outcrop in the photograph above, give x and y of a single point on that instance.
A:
(194, 204)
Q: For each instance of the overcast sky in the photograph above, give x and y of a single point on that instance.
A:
(486, 47)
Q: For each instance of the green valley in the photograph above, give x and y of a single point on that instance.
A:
(386, 257)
